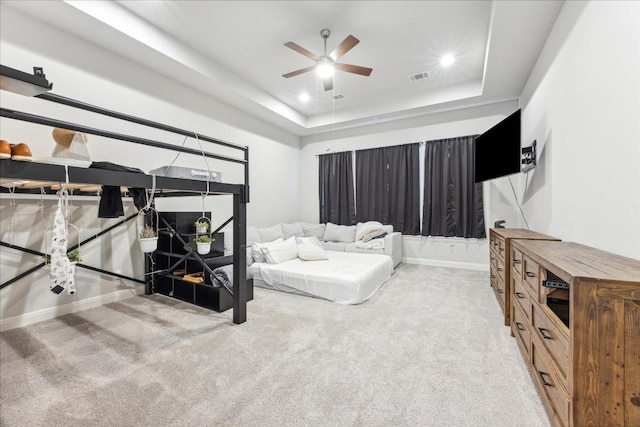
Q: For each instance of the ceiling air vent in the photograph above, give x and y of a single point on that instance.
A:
(418, 77)
(336, 97)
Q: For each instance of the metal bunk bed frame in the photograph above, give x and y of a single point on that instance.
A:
(37, 85)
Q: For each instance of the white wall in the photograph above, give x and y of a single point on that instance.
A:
(469, 253)
(582, 102)
(91, 74)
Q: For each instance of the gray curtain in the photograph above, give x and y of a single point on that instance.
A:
(388, 186)
(452, 201)
(336, 188)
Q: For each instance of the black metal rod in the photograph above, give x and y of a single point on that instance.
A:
(20, 248)
(95, 109)
(32, 118)
(239, 260)
(21, 275)
(246, 176)
(222, 226)
(99, 270)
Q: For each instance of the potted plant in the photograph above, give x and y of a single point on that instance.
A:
(74, 257)
(202, 227)
(203, 244)
(148, 239)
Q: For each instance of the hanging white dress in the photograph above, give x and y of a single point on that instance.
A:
(62, 271)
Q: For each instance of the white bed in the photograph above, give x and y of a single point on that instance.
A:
(346, 277)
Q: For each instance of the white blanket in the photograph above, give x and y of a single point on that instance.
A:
(347, 278)
(371, 244)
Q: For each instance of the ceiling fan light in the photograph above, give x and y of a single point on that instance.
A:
(447, 60)
(325, 68)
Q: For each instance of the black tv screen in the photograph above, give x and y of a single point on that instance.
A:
(497, 151)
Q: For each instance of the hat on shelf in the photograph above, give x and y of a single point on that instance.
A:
(70, 144)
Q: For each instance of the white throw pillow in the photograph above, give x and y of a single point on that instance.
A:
(313, 230)
(281, 251)
(312, 240)
(339, 233)
(310, 252)
(256, 249)
(366, 227)
(270, 234)
(292, 230)
(249, 256)
(252, 235)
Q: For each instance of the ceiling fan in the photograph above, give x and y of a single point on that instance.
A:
(326, 64)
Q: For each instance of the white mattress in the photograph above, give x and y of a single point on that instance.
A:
(347, 278)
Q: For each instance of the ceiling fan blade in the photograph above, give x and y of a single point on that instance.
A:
(300, 49)
(298, 72)
(328, 83)
(355, 69)
(344, 47)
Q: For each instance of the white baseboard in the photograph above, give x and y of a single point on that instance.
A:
(74, 307)
(447, 264)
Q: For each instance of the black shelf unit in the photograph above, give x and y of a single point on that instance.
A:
(36, 85)
(177, 251)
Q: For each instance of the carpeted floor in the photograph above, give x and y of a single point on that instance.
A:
(429, 349)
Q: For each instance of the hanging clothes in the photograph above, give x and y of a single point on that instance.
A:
(62, 271)
(111, 199)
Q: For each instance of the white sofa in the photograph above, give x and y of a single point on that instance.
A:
(334, 237)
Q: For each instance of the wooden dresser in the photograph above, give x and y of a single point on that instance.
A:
(581, 344)
(501, 258)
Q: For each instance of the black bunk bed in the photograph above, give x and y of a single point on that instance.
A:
(37, 85)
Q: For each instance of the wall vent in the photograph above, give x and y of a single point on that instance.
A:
(419, 76)
(336, 97)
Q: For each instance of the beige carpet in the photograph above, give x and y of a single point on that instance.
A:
(429, 349)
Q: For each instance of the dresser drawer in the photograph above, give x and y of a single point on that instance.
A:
(500, 269)
(531, 275)
(554, 395)
(521, 297)
(521, 329)
(516, 261)
(500, 291)
(554, 340)
(500, 246)
(493, 257)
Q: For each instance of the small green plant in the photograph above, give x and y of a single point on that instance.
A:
(148, 232)
(204, 238)
(74, 256)
(201, 224)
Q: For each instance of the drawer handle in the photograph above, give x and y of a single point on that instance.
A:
(516, 261)
(493, 276)
(544, 381)
(636, 400)
(520, 295)
(545, 334)
(500, 291)
(530, 274)
(519, 326)
(500, 269)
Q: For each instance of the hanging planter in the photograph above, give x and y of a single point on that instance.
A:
(74, 255)
(203, 244)
(203, 224)
(147, 234)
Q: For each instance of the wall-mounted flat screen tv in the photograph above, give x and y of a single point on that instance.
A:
(497, 151)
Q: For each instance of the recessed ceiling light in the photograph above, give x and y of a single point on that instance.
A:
(304, 97)
(447, 60)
